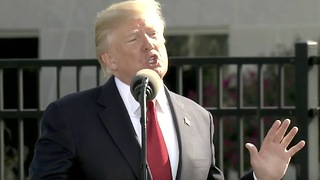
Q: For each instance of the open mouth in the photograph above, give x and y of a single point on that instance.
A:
(152, 60)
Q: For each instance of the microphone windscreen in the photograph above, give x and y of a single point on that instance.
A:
(153, 86)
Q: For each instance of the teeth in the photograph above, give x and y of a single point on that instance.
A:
(151, 60)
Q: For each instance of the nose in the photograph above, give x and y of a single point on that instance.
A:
(148, 43)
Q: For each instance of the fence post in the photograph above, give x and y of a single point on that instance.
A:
(2, 156)
(307, 93)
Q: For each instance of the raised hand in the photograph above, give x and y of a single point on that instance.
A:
(272, 161)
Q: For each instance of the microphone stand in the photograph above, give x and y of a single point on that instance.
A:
(143, 122)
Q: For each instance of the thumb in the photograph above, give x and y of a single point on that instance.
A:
(252, 150)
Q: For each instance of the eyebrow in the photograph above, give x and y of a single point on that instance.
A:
(132, 33)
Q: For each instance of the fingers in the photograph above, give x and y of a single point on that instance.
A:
(288, 138)
(293, 150)
(272, 131)
(252, 150)
(281, 131)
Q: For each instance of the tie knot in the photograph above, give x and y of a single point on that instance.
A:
(151, 104)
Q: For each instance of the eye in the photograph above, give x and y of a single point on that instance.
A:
(131, 39)
(153, 34)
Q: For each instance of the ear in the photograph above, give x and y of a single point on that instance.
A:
(109, 61)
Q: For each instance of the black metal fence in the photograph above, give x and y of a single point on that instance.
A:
(277, 88)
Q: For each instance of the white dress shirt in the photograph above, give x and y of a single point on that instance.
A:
(164, 118)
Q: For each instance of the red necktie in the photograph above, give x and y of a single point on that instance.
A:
(157, 154)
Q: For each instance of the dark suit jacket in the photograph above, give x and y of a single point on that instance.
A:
(89, 135)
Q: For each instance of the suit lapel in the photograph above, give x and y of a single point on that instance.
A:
(118, 124)
(183, 125)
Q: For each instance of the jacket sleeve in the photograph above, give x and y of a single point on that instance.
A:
(214, 172)
(54, 151)
(248, 176)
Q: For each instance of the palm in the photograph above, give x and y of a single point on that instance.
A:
(272, 161)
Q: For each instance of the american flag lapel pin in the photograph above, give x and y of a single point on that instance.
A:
(186, 121)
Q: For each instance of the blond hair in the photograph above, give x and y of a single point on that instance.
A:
(114, 15)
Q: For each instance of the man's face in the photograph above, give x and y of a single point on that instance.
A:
(137, 44)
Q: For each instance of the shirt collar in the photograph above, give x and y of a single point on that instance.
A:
(133, 107)
(129, 101)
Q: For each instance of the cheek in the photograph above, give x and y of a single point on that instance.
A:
(126, 56)
(163, 51)
(131, 51)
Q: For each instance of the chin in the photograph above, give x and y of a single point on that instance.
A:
(159, 72)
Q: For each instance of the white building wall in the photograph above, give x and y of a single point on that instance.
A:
(254, 27)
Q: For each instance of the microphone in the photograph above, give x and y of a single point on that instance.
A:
(144, 87)
(153, 83)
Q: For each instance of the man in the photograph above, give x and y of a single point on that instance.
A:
(96, 134)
